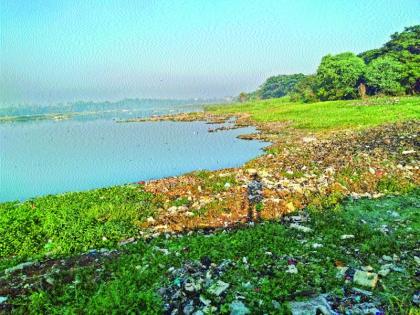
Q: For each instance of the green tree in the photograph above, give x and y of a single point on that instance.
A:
(383, 75)
(338, 76)
(279, 86)
(305, 90)
(403, 47)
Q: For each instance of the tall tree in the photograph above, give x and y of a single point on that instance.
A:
(305, 90)
(339, 76)
(279, 86)
(383, 75)
(403, 47)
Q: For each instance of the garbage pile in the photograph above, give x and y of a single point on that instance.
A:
(196, 288)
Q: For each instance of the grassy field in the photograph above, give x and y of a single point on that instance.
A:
(131, 281)
(328, 115)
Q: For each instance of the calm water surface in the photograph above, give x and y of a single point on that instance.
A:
(48, 157)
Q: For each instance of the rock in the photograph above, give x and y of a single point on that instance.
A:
(182, 208)
(301, 228)
(151, 220)
(3, 299)
(173, 210)
(347, 236)
(366, 279)
(315, 306)
(238, 308)
(276, 304)
(385, 270)
(290, 206)
(341, 272)
(408, 152)
(308, 139)
(126, 241)
(188, 309)
(316, 245)
(367, 268)
(252, 171)
(19, 267)
(292, 269)
(387, 258)
(189, 214)
(205, 301)
(416, 298)
(189, 287)
(227, 185)
(365, 308)
(162, 250)
(218, 288)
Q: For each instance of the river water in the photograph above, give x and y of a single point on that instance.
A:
(49, 157)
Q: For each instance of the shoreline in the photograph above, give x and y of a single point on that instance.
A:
(309, 177)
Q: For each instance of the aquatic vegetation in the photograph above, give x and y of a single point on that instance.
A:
(72, 222)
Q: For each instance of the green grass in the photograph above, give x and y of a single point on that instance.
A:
(130, 282)
(327, 115)
(72, 222)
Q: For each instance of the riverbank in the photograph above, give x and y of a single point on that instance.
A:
(360, 149)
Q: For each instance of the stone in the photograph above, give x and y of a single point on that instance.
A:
(367, 268)
(252, 171)
(218, 288)
(347, 236)
(238, 308)
(301, 228)
(384, 271)
(416, 298)
(205, 301)
(315, 306)
(127, 241)
(408, 152)
(292, 269)
(182, 208)
(341, 272)
(173, 210)
(189, 214)
(308, 139)
(19, 267)
(151, 220)
(290, 206)
(387, 258)
(276, 304)
(188, 309)
(366, 279)
(3, 299)
(316, 245)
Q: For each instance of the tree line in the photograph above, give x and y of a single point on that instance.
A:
(393, 69)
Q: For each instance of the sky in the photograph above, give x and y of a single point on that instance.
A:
(63, 51)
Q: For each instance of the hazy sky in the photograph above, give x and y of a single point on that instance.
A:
(106, 50)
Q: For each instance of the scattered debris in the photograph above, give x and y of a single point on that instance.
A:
(315, 306)
(301, 228)
(347, 237)
(197, 287)
(366, 279)
(238, 308)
